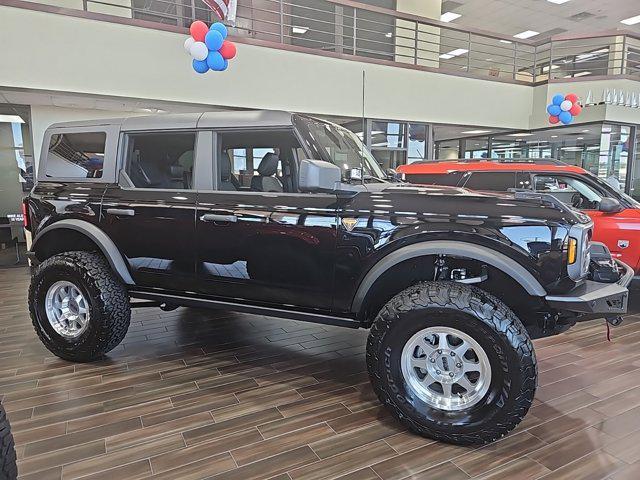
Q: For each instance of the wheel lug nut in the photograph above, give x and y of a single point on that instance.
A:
(453, 354)
(459, 365)
(451, 374)
(438, 372)
(439, 352)
(433, 360)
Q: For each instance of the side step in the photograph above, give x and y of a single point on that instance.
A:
(186, 301)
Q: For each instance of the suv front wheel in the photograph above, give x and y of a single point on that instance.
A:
(452, 362)
(79, 309)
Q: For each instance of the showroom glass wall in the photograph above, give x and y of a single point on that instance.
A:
(16, 179)
(604, 149)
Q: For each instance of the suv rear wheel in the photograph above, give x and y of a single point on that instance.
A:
(79, 309)
(452, 363)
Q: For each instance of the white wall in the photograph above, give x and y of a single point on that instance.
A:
(87, 56)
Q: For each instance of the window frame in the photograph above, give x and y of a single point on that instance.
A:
(109, 167)
(202, 159)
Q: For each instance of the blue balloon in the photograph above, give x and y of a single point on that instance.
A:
(226, 64)
(566, 118)
(554, 110)
(216, 62)
(557, 99)
(220, 27)
(200, 66)
(214, 40)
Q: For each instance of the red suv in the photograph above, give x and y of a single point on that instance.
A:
(616, 215)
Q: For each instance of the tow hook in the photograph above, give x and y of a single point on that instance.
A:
(614, 321)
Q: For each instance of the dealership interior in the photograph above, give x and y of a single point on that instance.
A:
(242, 391)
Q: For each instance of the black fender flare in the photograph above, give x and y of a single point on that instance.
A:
(104, 242)
(449, 247)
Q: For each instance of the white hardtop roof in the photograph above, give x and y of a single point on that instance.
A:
(228, 119)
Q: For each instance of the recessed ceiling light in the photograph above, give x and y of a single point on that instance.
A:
(520, 135)
(388, 34)
(476, 132)
(581, 74)
(299, 30)
(554, 136)
(631, 20)
(449, 16)
(553, 67)
(526, 34)
(579, 138)
(505, 41)
(11, 119)
(585, 131)
(454, 53)
(558, 2)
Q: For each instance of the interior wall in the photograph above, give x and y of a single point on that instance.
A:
(133, 62)
(10, 187)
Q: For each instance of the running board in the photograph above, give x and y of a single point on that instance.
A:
(186, 301)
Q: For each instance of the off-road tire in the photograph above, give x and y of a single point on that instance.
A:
(109, 308)
(489, 322)
(8, 469)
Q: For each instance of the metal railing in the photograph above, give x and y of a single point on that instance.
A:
(348, 28)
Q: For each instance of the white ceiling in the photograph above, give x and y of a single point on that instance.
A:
(509, 17)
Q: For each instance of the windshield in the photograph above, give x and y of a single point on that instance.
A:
(332, 143)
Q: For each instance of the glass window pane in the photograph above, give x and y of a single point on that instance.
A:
(76, 155)
(493, 181)
(161, 160)
(388, 135)
(417, 142)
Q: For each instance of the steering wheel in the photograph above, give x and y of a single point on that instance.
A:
(577, 200)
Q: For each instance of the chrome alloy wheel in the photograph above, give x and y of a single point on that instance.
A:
(446, 368)
(67, 309)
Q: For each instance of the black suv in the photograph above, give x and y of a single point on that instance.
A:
(289, 216)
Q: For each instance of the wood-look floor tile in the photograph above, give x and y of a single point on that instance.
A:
(54, 473)
(355, 438)
(595, 466)
(621, 425)
(491, 456)
(626, 448)
(343, 463)
(416, 461)
(521, 469)
(129, 471)
(289, 424)
(444, 471)
(61, 457)
(406, 441)
(206, 468)
(567, 424)
(112, 460)
(629, 472)
(363, 474)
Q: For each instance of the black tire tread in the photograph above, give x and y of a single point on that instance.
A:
(8, 468)
(486, 308)
(113, 302)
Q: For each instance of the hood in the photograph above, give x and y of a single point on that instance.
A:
(437, 200)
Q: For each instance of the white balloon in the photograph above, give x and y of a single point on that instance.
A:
(187, 44)
(199, 51)
(566, 105)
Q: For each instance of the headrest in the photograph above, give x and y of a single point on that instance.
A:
(268, 165)
(177, 171)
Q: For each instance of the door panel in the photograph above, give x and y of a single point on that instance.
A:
(271, 248)
(155, 231)
(620, 232)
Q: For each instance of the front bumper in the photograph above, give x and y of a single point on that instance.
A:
(593, 297)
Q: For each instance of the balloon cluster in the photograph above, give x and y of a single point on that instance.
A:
(563, 109)
(209, 47)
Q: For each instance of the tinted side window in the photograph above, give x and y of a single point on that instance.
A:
(161, 160)
(76, 155)
(257, 161)
(448, 179)
(493, 181)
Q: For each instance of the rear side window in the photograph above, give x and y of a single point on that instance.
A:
(76, 155)
(492, 181)
(161, 160)
(447, 179)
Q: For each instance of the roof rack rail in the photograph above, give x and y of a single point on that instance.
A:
(535, 161)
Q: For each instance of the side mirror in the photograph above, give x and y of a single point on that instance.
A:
(319, 176)
(609, 205)
(393, 175)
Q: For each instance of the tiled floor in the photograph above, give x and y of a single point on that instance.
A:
(193, 394)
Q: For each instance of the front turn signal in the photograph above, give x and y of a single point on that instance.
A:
(572, 253)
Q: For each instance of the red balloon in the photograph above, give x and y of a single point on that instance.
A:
(572, 97)
(228, 50)
(575, 110)
(198, 30)
(553, 119)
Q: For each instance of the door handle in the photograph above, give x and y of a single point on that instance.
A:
(121, 212)
(214, 217)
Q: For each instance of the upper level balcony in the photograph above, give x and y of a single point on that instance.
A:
(351, 30)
